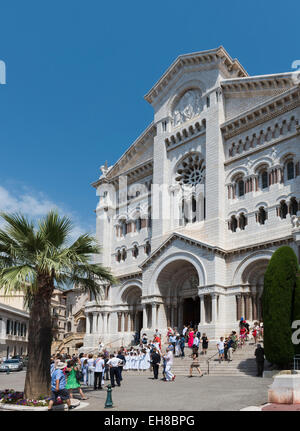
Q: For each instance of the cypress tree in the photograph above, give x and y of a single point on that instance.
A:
(279, 298)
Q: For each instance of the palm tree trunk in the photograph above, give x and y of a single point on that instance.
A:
(38, 378)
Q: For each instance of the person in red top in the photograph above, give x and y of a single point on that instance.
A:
(157, 340)
(255, 334)
(242, 334)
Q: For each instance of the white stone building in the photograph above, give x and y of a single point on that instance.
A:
(191, 213)
(13, 331)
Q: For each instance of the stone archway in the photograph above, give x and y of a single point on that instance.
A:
(177, 285)
(131, 320)
(253, 276)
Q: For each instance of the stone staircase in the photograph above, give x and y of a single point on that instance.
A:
(242, 364)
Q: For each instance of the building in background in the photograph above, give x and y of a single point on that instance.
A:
(71, 338)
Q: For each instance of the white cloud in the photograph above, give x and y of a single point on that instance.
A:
(36, 205)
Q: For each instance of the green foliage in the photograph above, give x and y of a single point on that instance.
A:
(28, 252)
(279, 297)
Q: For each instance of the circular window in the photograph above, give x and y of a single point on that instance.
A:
(191, 170)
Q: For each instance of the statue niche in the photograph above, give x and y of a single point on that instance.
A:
(188, 107)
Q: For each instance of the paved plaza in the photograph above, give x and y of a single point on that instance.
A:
(142, 393)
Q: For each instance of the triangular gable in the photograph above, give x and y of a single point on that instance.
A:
(174, 236)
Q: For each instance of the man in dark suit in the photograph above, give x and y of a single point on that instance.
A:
(155, 361)
(260, 360)
(120, 368)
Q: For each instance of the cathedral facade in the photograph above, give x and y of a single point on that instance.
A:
(190, 215)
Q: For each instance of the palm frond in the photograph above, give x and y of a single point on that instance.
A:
(55, 229)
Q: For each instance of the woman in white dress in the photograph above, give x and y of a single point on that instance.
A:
(147, 358)
(177, 347)
(134, 361)
(126, 366)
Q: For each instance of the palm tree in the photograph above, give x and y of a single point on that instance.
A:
(36, 259)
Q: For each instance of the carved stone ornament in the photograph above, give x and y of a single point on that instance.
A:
(188, 107)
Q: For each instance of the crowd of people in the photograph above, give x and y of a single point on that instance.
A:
(68, 373)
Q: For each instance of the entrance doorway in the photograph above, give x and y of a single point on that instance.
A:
(191, 311)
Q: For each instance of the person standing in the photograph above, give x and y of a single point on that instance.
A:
(123, 359)
(155, 361)
(169, 362)
(196, 343)
(191, 339)
(72, 381)
(114, 364)
(260, 360)
(182, 344)
(195, 364)
(98, 375)
(58, 386)
(205, 341)
(220, 346)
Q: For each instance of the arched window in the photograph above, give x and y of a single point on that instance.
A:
(147, 248)
(135, 251)
(242, 221)
(149, 218)
(261, 216)
(184, 210)
(241, 188)
(290, 170)
(194, 209)
(124, 254)
(124, 227)
(233, 224)
(119, 257)
(293, 206)
(138, 224)
(283, 209)
(264, 180)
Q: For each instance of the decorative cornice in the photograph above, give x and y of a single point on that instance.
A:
(214, 249)
(261, 113)
(132, 275)
(128, 155)
(257, 83)
(197, 58)
(185, 134)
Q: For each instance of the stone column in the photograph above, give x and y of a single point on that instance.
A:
(122, 322)
(180, 314)
(145, 321)
(99, 325)
(87, 329)
(254, 306)
(247, 308)
(175, 316)
(95, 322)
(214, 316)
(239, 306)
(168, 315)
(154, 317)
(126, 323)
(104, 323)
(131, 321)
(202, 310)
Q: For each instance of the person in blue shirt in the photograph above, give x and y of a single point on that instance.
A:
(58, 386)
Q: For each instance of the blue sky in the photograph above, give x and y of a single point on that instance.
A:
(77, 73)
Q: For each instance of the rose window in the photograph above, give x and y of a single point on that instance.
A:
(191, 170)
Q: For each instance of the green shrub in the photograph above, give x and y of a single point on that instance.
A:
(280, 297)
